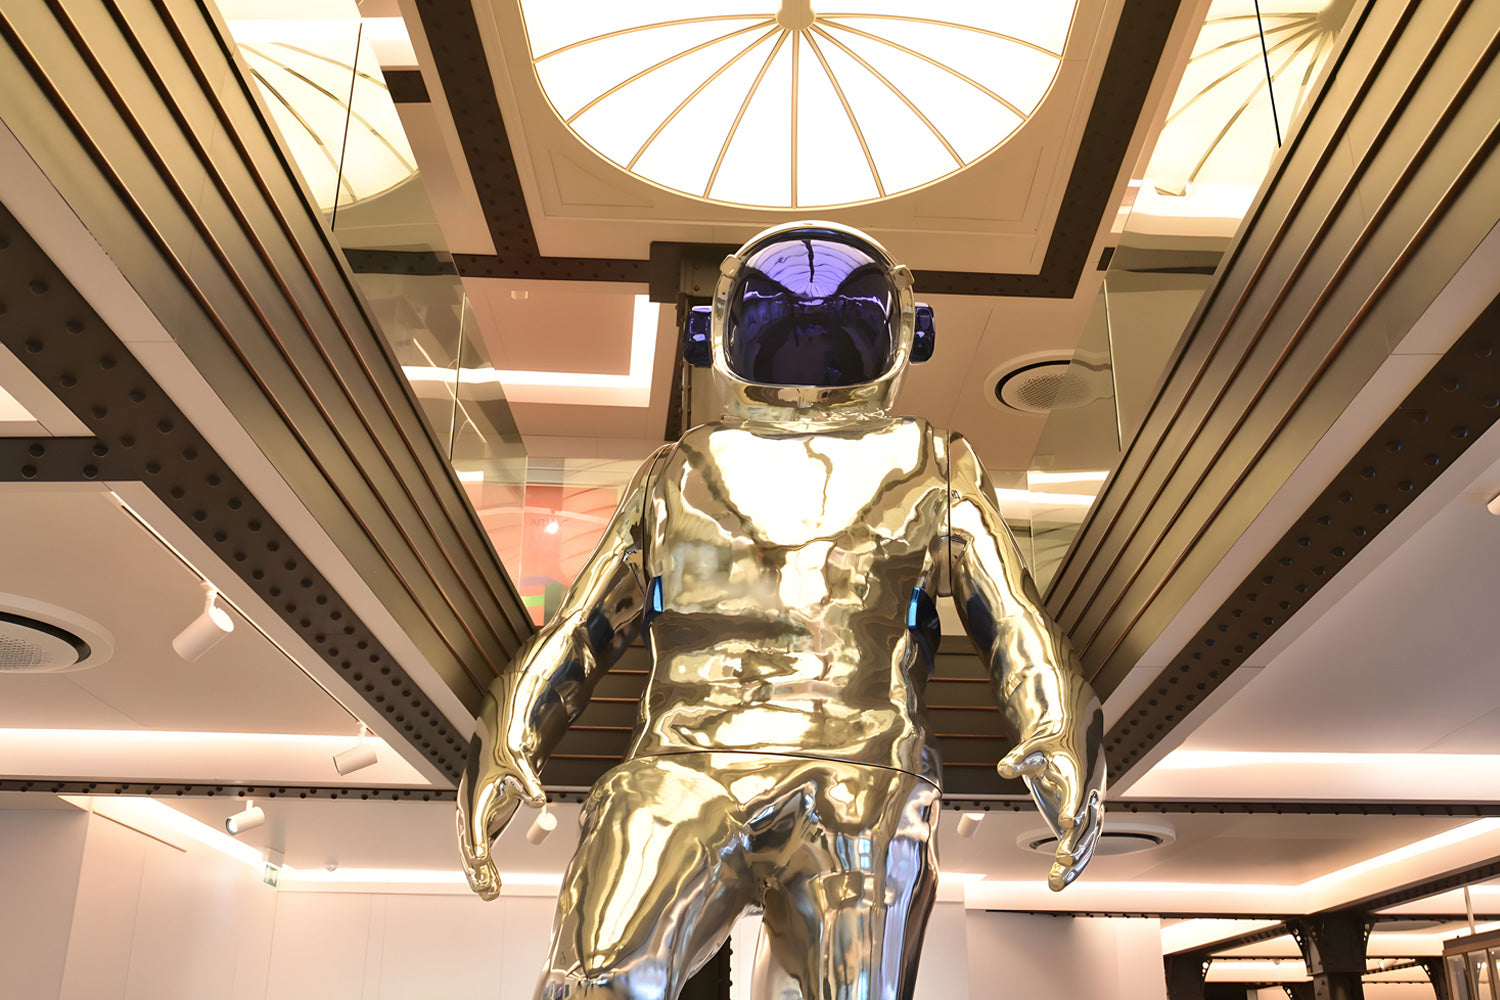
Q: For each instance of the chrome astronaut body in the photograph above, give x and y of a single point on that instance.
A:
(782, 565)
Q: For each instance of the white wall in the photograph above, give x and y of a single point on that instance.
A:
(153, 920)
(941, 975)
(1014, 955)
(93, 910)
(39, 860)
(366, 946)
(944, 970)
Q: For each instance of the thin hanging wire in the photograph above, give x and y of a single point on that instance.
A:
(1270, 83)
(348, 114)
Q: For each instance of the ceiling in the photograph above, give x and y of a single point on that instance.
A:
(1386, 673)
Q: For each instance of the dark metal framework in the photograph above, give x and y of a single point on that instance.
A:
(463, 69)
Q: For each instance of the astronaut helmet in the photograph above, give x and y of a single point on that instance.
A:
(812, 316)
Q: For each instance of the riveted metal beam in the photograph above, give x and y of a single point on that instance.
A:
(463, 68)
(1373, 205)
(139, 116)
(144, 436)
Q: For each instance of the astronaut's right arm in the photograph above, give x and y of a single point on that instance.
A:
(547, 685)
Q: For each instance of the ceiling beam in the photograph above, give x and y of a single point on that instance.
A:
(1376, 202)
(463, 68)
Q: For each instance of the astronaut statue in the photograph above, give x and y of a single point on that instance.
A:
(781, 565)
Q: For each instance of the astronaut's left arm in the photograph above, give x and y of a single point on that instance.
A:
(1037, 679)
(531, 704)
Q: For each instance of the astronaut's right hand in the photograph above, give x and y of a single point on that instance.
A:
(496, 781)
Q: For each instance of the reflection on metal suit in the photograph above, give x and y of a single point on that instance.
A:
(782, 566)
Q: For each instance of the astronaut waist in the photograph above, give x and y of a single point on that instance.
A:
(885, 735)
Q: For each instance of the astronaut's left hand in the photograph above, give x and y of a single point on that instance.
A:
(1063, 766)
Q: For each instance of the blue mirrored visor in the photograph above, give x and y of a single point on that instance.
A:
(812, 312)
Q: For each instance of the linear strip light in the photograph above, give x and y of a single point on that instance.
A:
(1065, 477)
(1297, 898)
(156, 819)
(136, 754)
(1194, 760)
(633, 389)
(1048, 499)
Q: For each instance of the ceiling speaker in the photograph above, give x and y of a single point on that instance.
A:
(37, 638)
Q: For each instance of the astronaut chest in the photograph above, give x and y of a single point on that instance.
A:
(789, 492)
(797, 521)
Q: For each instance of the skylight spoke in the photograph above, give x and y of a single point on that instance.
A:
(940, 65)
(895, 90)
(648, 27)
(658, 65)
(1313, 63)
(946, 24)
(980, 83)
(1236, 42)
(689, 98)
(1239, 113)
(740, 115)
(792, 166)
(1249, 61)
(312, 133)
(854, 122)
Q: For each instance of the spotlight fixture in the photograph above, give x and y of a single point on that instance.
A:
(544, 825)
(208, 628)
(361, 755)
(1494, 505)
(247, 818)
(968, 823)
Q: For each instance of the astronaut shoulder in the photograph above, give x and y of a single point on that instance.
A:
(965, 470)
(646, 474)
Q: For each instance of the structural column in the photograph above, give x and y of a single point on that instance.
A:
(1333, 945)
(1185, 974)
(1433, 966)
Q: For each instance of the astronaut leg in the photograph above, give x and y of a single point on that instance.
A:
(655, 886)
(845, 918)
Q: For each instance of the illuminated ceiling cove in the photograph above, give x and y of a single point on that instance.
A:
(793, 107)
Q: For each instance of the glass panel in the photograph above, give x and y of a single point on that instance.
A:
(322, 84)
(1221, 133)
(1079, 442)
(566, 505)
(1479, 967)
(486, 448)
(422, 319)
(1460, 982)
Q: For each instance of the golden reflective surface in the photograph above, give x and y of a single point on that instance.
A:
(782, 564)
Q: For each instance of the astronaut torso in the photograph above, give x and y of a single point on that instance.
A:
(785, 566)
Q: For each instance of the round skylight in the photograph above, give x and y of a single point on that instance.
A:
(337, 118)
(793, 107)
(1226, 123)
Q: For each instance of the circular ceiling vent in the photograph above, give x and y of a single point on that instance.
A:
(1053, 384)
(37, 638)
(1118, 838)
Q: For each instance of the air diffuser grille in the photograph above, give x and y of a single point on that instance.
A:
(1120, 838)
(1043, 387)
(31, 646)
